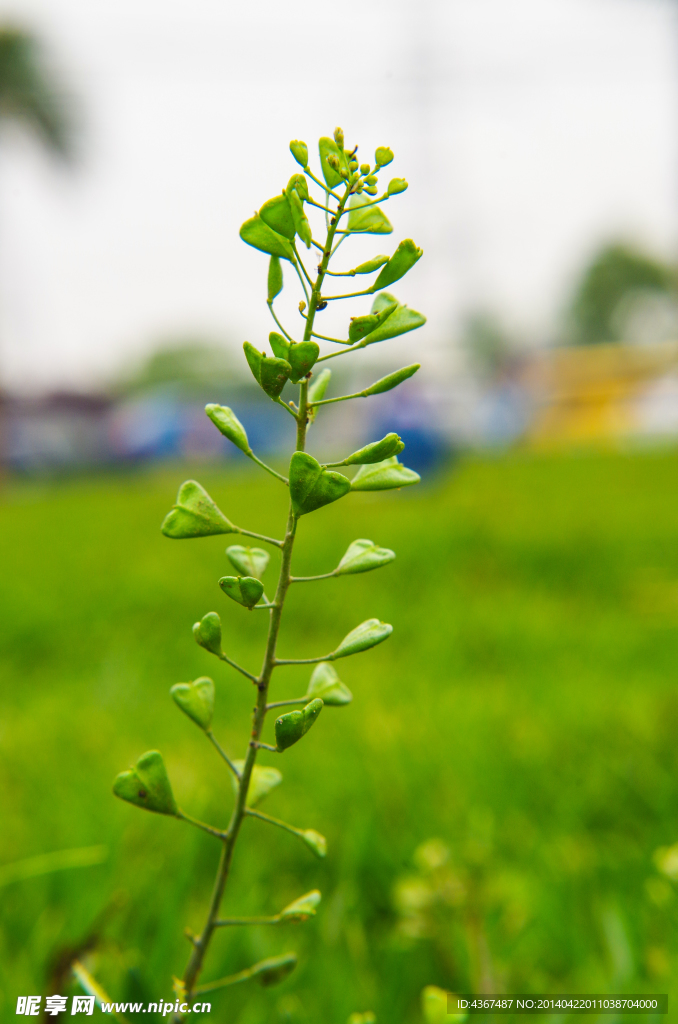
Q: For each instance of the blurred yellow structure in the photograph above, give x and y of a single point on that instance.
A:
(603, 393)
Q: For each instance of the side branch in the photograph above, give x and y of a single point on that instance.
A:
(325, 575)
(269, 469)
(237, 667)
(274, 821)
(211, 737)
(304, 661)
(226, 921)
(259, 536)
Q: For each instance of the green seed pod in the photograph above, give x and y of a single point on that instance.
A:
(301, 909)
(317, 390)
(262, 781)
(248, 561)
(326, 684)
(275, 278)
(302, 358)
(277, 214)
(339, 137)
(383, 156)
(299, 151)
(291, 727)
(246, 590)
(315, 842)
(371, 190)
(361, 556)
(384, 476)
(362, 1018)
(258, 234)
(274, 375)
(364, 168)
(311, 486)
(395, 186)
(402, 260)
(225, 420)
(298, 182)
(371, 265)
(301, 224)
(147, 785)
(368, 634)
(196, 700)
(371, 179)
(370, 220)
(194, 515)
(253, 357)
(399, 319)
(275, 969)
(331, 170)
(280, 345)
(392, 380)
(207, 633)
(362, 326)
(377, 451)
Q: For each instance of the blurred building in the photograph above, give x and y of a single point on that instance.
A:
(604, 393)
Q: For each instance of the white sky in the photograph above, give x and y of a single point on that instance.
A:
(530, 130)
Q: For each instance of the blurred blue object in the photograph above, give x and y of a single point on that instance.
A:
(415, 419)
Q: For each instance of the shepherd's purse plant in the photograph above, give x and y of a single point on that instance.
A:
(349, 202)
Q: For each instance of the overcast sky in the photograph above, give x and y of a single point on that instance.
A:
(531, 131)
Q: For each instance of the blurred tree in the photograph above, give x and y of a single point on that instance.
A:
(615, 277)
(29, 93)
(487, 342)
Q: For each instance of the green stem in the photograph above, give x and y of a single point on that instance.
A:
(274, 821)
(323, 185)
(287, 409)
(253, 457)
(340, 398)
(319, 206)
(305, 661)
(258, 536)
(342, 239)
(237, 667)
(350, 295)
(226, 921)
(249, 972)
(269, 303)
(341, 352)
(201, 943)
(325, 575)
(211, 737)
(284, 703)
(296, 267)
(324, 337)
(373, 202)
(217, 833)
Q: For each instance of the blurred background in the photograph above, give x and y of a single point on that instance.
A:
(501, 798)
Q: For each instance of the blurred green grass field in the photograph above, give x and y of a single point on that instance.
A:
(525, 712)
